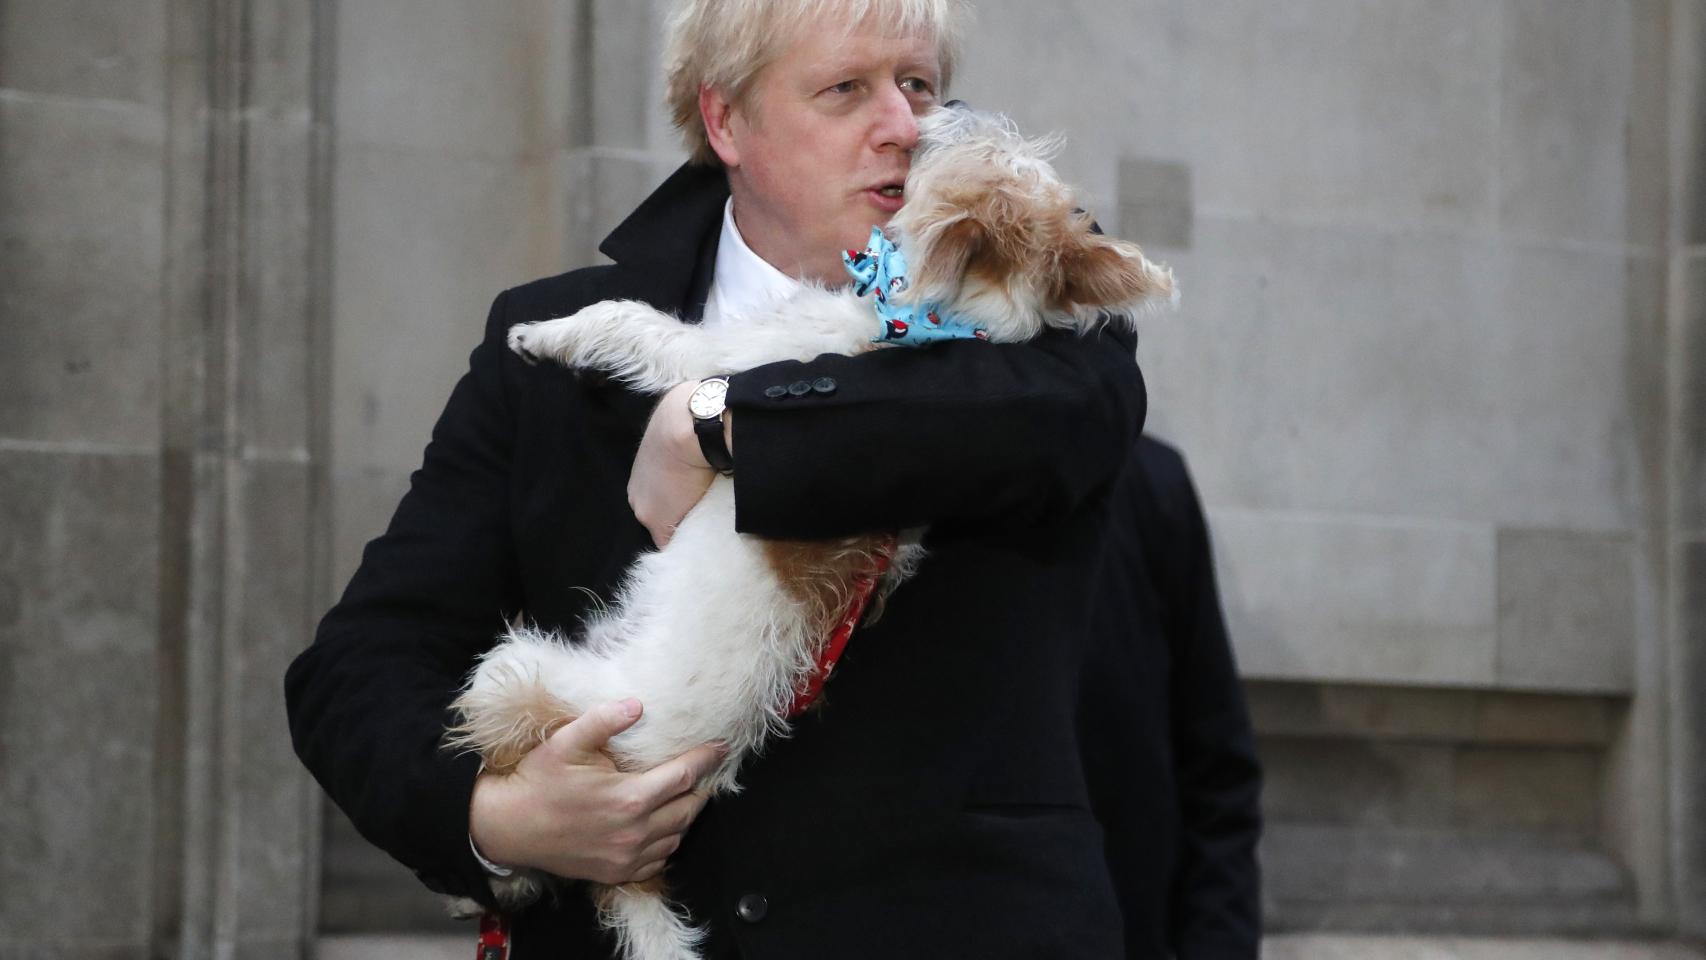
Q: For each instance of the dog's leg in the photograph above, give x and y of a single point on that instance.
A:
(652, 351)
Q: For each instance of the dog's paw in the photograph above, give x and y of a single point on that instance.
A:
(520, 339)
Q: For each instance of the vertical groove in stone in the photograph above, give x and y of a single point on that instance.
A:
(581, 79)
(1685, 418)
(322, 145)
(186, 303)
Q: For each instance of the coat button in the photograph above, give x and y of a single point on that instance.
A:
(752, 907)
(799, 388)
(824, 385)
(776, 392)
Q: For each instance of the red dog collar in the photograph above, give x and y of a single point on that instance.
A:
(863, 588)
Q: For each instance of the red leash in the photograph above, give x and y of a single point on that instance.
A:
(494, 937)
(863, 588)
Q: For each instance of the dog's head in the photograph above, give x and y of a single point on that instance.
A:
(992, 234)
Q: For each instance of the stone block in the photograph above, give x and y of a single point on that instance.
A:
(1566, 610)
(1362, 712)
(1648, 356)
(1564, 108)
(274, 338)
(626, 72)
(85, 49)
(1327, 369)
(1348, 112)
(1355, 867)
(1424, 715)
(1689, 431)
(1689, 85)
(603, 187)
(469, 80)
(362, 889)
(1533, 789)
(405, 946)
(1320, 110)
(81, 225)
(424, 245)
(280, 52)
(1651, 92)
(268, 795)
(1546, 719)
(1357, 601)
(1329, 946)
(1374, 783)
(1688, 688)
(1100, 74)
(78, 623)
(363, 500)
(1155, 202)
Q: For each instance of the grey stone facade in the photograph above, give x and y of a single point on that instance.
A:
(1440, 372)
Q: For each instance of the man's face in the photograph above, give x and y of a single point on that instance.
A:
(820, 148)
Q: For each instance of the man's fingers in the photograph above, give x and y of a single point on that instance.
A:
(667, 781)
(673, 818)
(590, 732)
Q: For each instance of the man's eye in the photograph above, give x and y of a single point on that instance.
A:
(918, 85)
(845, 86)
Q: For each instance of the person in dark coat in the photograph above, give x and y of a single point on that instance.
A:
(1162, 700)
(945, 797)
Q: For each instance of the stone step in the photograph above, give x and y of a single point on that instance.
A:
(1278, 947)
(1438, 880)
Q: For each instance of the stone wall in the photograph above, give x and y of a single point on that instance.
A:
(162, 213)
(1440, 371)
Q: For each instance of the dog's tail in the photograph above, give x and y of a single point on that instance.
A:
(646, 924)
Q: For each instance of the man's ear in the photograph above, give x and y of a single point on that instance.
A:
(718, 113)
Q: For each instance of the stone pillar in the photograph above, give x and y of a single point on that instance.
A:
(242, 524)
(1687, 350)
(162, 188)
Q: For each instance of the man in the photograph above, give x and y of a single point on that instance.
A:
(936, 804)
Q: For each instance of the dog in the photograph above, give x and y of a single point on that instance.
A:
(989, 244)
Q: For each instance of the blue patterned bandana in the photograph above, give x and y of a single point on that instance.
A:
(881, 267)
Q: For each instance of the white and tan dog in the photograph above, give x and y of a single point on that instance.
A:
(998, 242)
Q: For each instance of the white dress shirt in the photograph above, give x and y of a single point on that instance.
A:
(742, 281)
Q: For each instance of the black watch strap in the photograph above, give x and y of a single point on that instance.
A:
(713, 445)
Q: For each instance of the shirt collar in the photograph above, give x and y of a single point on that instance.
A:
(743, 281)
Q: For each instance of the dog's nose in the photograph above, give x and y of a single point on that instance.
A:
(958, 105)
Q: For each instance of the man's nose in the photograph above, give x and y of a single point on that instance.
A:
(897, 124)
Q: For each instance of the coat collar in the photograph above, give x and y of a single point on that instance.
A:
(672, 238)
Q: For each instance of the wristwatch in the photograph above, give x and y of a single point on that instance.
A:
(706, 404)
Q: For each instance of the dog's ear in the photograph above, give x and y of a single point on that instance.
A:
(948, 249)
(1097, 271)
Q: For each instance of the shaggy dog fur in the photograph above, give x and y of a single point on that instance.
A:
(993, 236)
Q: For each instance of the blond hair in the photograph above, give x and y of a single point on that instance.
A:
(724, 44)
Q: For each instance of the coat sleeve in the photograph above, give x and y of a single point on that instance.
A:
(1217, 893)
(368, 700)
(960, 434)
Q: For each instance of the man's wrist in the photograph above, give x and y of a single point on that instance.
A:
(492, 869)
(706, 406)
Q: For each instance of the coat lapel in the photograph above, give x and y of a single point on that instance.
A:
(666, 253)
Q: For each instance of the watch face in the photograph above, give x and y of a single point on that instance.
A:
(707, 399)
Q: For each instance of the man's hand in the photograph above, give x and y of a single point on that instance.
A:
(670, 471)
(567, 810)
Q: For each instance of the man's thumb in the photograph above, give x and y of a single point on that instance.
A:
(588, 733)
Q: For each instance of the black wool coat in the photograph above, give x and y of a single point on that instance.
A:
(936, 803)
